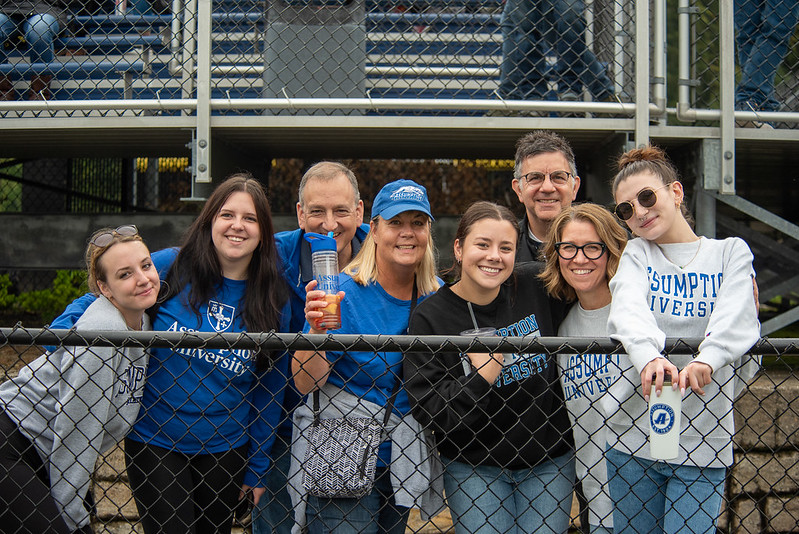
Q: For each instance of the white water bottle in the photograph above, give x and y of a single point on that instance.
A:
(665, 415)
(324, 258)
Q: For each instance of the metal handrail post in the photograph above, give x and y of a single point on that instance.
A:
(727, 96)
(659, 58)
(641, 73)
(202, 167)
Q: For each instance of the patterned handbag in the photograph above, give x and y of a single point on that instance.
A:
(341, 459)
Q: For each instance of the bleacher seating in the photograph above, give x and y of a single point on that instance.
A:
(449, 55)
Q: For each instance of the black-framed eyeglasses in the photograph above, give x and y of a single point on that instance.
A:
(556, 177)
(104, 239)
(646, 199)
(568, 250)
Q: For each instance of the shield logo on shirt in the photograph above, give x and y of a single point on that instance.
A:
(220, 315)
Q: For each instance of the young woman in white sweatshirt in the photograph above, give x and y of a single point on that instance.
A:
(673, 283)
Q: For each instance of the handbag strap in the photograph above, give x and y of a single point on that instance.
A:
(390, 404)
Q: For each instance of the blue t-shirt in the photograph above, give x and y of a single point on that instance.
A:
(370, 375)
(200, 400)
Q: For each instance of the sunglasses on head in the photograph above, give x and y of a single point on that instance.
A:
(646, 199)
(104, 239)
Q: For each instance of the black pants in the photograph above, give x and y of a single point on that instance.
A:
(177, 492)
(26, 504)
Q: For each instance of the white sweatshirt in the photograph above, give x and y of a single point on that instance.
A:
(711, 296)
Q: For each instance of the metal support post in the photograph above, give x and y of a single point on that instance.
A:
(727, 90)
(203, 149)
(641, 73)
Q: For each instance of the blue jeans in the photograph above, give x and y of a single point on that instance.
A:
(374, 514)
(39, 31)
(274, 513)
(529, 29)
(487, 499)
(660, 497)
(764, 29)
(139, 7)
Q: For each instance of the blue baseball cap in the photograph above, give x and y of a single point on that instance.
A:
(400, 196)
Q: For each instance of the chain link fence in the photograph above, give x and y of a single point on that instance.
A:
(289, 49)
(760, 488)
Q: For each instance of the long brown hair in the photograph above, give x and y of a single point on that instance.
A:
(197, 264)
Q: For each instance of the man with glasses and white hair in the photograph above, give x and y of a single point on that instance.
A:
(328, 201)
(545, 180)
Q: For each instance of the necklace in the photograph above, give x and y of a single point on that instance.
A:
(686, 264)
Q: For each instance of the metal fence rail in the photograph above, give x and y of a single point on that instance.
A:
(761, 485)
(595, 60)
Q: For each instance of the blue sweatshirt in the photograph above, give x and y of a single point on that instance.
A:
(207, 400)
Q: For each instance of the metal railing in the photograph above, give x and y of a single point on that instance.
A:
(761, 485)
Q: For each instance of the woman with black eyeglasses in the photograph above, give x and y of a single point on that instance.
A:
(582, 252)
(673, 283)
(72, 404)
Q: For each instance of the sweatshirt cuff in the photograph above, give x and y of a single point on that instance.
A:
(642, 356)
(715, 357)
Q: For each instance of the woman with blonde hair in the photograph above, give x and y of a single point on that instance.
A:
(72, 404)
(394, 270)
(582, 250)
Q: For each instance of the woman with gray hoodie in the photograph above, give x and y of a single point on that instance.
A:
(69, 406)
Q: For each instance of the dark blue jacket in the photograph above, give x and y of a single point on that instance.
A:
(295, 258)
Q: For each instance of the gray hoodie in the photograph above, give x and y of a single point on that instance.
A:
(77, 402)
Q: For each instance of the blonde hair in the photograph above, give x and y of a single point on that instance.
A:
(94, 269)
(363, 267)
(607, 228)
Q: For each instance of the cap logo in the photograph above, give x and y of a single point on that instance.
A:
(407, 192)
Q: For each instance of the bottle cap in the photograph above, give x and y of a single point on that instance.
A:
(320, 242)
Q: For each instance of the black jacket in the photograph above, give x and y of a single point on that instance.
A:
(528, 247)
(519, 421)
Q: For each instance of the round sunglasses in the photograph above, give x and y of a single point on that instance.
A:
(646, 199)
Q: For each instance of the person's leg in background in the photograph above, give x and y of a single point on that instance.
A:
(579, 65)
(6, 85)
(40, 32)
(767, 45)
(274, 513)
(523, 68)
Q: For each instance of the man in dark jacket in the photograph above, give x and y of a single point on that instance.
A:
(545, 180)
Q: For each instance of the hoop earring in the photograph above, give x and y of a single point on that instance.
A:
(162, 292)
